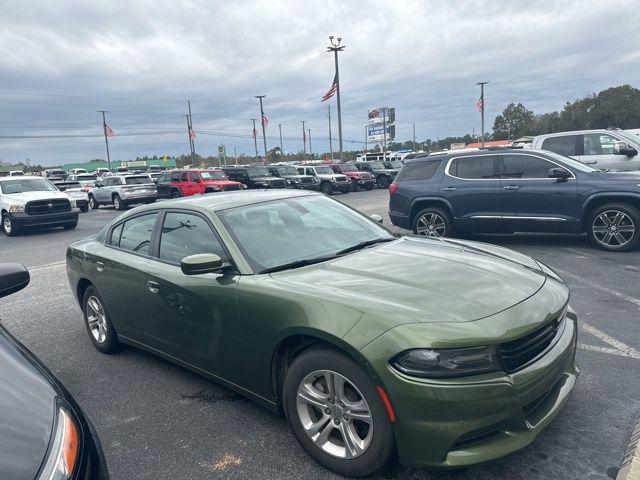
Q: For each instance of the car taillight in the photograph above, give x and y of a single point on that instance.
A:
(392, 188)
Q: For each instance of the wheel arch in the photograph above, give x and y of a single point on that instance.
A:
(422, 203)
(597, 200)
(81, 288)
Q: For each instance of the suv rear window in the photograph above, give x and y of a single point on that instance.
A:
(137, 180)
(474, 167)
(564, 145)
(418, 170)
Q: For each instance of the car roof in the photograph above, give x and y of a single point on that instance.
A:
(576, 132)
(471, 153)
(22, 177)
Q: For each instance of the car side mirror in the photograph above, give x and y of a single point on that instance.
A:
(559, 173)
(623, 148)
(376, 218)
(13, 277)
(201, 263)
(98, 184)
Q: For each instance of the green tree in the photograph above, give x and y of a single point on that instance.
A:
(515, 121)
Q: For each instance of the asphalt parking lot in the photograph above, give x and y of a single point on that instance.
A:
(159, 421)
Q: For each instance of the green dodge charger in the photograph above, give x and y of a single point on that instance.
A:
(444, 353)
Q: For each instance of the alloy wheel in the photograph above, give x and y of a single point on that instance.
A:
(97, 319)
(6, 224)
(613, 228)
(116, 202)
(431, 225)
(334, 414)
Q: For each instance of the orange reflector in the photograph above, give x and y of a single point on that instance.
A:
(387, 404)
(70, 440)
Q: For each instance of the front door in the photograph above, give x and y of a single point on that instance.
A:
(471, 185)
(598, 152)
(531, 200)
(187, 313)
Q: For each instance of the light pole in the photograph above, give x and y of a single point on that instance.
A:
(335, 48)
(480, 105)
(106, 141)
(310, 151)
(255, 136)
(262, 118)
(280, 130)
(330, 139)
(304, 139)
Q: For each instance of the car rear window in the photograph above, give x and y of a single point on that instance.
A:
(137, 180)
(564, 145)
(418, 170)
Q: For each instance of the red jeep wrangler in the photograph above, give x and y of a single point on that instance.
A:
(358, 179)
(192, 182)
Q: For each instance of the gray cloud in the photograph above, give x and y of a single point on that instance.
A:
(141, 60)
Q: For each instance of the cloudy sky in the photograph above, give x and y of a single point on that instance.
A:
(61, 61)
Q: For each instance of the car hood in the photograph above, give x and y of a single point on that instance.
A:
(387, 170)
(25, 197)
(338, 176)
(422, 280)
(265, 179)
(27, 403)
(623, 177)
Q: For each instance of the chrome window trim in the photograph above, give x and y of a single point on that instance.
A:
(446, 170)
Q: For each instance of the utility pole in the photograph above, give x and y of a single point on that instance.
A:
(192, 140)
(106, 141)
(280, 130)
(189, 134)
(366, 141)
(235, 155)
(310, 151)
(255, 136)
(262, 117)
(330, 139)
(480, 105)
(335, 48)
(384, 134)
(304, 140)
(414, 137)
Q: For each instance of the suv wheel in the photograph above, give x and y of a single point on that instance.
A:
(93, 204)
(433, 222)
(175, 194)
(8, 227)
(118, 204)
(336, 413)
(614, 227)
(383, 181)
(326, 188)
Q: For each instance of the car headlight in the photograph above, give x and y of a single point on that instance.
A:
(73, 203)
(16, 208)
(63, 452)
(442, 363)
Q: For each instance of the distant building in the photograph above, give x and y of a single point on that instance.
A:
(169, 163)
(490, 143)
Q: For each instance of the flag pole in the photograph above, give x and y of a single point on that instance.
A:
(335, 48)
(264, 135)
(330, 139)
(482, 84)
(106, 140)
(255, 136)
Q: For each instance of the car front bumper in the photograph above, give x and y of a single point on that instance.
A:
(364, 182)
(454, 423)
(23, 220)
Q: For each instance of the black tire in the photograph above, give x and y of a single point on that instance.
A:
(326, 188)
(149, 202)
(70, 226)
(383, 181)
(84, 208)
(118, 204)
(354, 185)
(93, 203)
(382, 443)
(110, 344)
(368, 187)
(175, 194)
(422, 227)
(8, 227)
(626, 233)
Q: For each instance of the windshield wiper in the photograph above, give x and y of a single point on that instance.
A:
(365, 244)
(297, 264)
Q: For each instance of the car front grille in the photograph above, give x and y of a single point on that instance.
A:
(231, 187)
(306, 180)
(523, 351)
(278, 183)
(40, 207)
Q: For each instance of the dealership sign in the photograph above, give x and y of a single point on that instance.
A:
(381, 120)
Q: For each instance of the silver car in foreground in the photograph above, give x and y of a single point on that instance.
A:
(122, 190)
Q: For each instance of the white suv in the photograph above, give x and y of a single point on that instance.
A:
(29, 201)
(329, 180)
(123, 190)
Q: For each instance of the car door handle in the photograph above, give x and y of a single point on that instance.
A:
(99, 266)
(511, 187)
(153, 287)
(448, 189)
(590, 163)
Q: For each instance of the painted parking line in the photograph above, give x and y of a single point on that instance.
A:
(616, 347)
(47, 266)
(597, 286)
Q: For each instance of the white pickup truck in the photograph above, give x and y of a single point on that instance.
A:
(28, 201)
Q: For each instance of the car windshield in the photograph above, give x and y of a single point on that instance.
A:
(258, 172)
(213, 175)
(376, 165)
(324, 171)
(395, 164)
(631, 137)
(288, 170)
(305, 229)
(348, 167)
(26, 185)
(86, 178)
(137, 180)
(67, 185)
(570, 162)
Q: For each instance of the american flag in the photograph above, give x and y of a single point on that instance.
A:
(108, 131)
(480, 104)
(265, 120)
(332, 91)
(192, 134)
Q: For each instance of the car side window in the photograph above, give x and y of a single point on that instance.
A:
(563, 145)
(175, 176)
(115, 235)
(474, 168)
(185, 234)
(418, 170)
(136, 233)
(525, 166)
(598, 144)
(194, 177)
(183, 176)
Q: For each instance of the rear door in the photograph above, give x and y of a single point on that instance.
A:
(163, 186)
(194, 183)
(531, 200)
(567, 145)
(471, 185)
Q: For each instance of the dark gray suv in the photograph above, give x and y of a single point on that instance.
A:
(513, 190)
